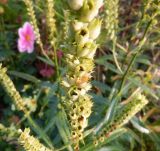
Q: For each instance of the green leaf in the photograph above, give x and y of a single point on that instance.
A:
(24, 76)
(63, 130)
(103, 87)
(46, 61)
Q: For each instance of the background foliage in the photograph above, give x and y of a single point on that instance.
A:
(42, 93)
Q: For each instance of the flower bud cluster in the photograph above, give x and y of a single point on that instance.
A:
(11, 90)
(8, 133)
(31, 143)
(122, 118)
(50, 20)
(80, 65)
(111, 17)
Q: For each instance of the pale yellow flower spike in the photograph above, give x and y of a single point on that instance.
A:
(31, 143)
(133, 107)
(80, 66)
(51, 21)
(9, 87)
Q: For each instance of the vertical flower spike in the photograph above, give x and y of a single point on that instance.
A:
(31, 143)
(80, 66)
(122, 118)
(30, 9)
(11, 90)
(111, 17)
(51, 21)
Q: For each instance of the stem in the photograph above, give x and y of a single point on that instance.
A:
(56, 62)
(114, 55)
(44, 53)
(138, 51)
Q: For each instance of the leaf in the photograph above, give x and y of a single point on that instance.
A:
(143, 59)
(5, 54)
(62, 128)
(46, 61)
(138, 125)
(24, 76)
(143, 87)
(103, 87)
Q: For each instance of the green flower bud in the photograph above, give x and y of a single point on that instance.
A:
(82, 37)
(94, 28)
(73, 116)
(87, 113)
(101, 139)
(88, 50)
(74, 124)
(77, 25)
(80, 136)
(74, 135)
(75, 4)
(87, 64)
(89, 11)
(95, 143)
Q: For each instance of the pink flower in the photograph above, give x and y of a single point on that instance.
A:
(26, 38)
(45, 70)
(59, 54)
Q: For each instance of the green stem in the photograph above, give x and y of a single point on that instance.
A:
(138, 51)
(44, 53)
(114, 55)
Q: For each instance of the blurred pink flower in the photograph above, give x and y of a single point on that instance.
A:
(59, 54)
(26, 38)
(45, 70)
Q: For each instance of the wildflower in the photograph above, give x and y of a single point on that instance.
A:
(45, 70)
(59, 54)
(26, 38)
